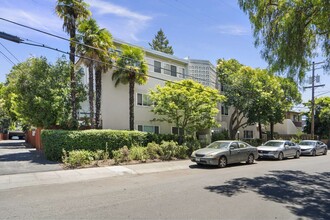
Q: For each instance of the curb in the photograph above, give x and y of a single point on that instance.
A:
(69, 176)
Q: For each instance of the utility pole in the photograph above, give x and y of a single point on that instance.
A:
(313, 97)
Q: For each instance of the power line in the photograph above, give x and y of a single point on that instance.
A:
(62, 38)
(10, 52)
(8, 59)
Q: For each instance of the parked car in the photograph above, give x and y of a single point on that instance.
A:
(279, 149)
(221, 153)
(312, 147)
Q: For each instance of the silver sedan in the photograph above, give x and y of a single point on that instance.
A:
(312, 147)
(221, 153)
(279, 149)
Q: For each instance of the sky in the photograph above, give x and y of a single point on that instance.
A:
(209, 29)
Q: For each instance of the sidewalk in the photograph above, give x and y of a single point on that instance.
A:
(67, 176)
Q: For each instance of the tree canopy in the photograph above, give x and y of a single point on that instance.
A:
(39, 93)
(256, 95)
(160, 43)
(322, 117)
(290, 33)
(188, 104)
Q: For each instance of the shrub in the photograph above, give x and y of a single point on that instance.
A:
(154, 151)
(254, 142)
(77, 158)
(192, 145)
(55, 140)
(121, 155)
(139, 153)
(172, 150)
(222, 135)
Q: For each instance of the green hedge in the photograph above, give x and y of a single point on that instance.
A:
(55, 140)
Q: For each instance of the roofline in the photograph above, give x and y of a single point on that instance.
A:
(155, 52)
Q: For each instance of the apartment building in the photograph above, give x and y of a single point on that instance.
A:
(115, 100)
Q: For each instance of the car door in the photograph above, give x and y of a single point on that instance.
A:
(319, 148)
(244, 151)
(234, 153)
(288, 149)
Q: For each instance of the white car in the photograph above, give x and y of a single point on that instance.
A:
(279, 149)
(313, 148)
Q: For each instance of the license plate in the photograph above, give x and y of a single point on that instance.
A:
(198, 159)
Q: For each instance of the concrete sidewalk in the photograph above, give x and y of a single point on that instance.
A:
(66, 176)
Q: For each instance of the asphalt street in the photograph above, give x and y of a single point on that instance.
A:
(288, 189)
(16, 158)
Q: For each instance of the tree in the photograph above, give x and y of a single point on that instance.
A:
(160, 43)
(96, 56)
(322, 117)
(131, 68)
(40, 94)
(188, 104)
(290, 32)
(72, 11)
(255, 94)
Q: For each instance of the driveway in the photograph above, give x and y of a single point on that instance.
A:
(16, 158)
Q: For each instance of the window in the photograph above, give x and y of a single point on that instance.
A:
(224, 110)
(173, 70)
(167, 69)
(183, 73)
(149, 128)
(248, 134)
(157, 66)
(178, 131)
(143, 100)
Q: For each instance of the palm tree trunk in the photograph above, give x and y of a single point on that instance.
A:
(73, 76)
(131, 104)
(91, 93)
(98, 90)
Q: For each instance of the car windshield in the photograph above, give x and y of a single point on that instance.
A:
(218, 145)
(273, 143)
(307, 143)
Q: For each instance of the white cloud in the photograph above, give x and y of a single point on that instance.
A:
(126, 24)
(233, 30)
(39, 20)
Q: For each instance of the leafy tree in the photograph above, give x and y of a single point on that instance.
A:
(100, 59)
(255, 94)
(188, 104)
(290, 32)
(72, 11)
(322, 117)
(160, 43)
(39, 92)
(131, 68)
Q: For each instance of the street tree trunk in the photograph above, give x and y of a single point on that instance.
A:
(73, 76)
(260, 130)
(271, 130)
(98, 91)
(91, 93)
(131, 104)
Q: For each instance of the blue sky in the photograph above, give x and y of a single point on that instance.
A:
(208, 30)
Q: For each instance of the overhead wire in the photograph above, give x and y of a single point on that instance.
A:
(92, 47)
(7, 58)
(10, 52)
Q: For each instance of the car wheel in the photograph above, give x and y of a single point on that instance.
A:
(314, 153)
(325, 152)
(222, 162)
(280, 156)
(297, 154)
(250, 159)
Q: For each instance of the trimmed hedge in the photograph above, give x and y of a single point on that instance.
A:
(55, 140)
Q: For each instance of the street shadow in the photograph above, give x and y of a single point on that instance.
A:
(209, 167)
(32, 155)
(305, 195)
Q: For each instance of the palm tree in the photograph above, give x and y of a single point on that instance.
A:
(131, 69)
(98, 57)
(71, 11)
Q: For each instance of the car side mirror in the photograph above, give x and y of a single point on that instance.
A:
(231, 147)
(286, 146)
